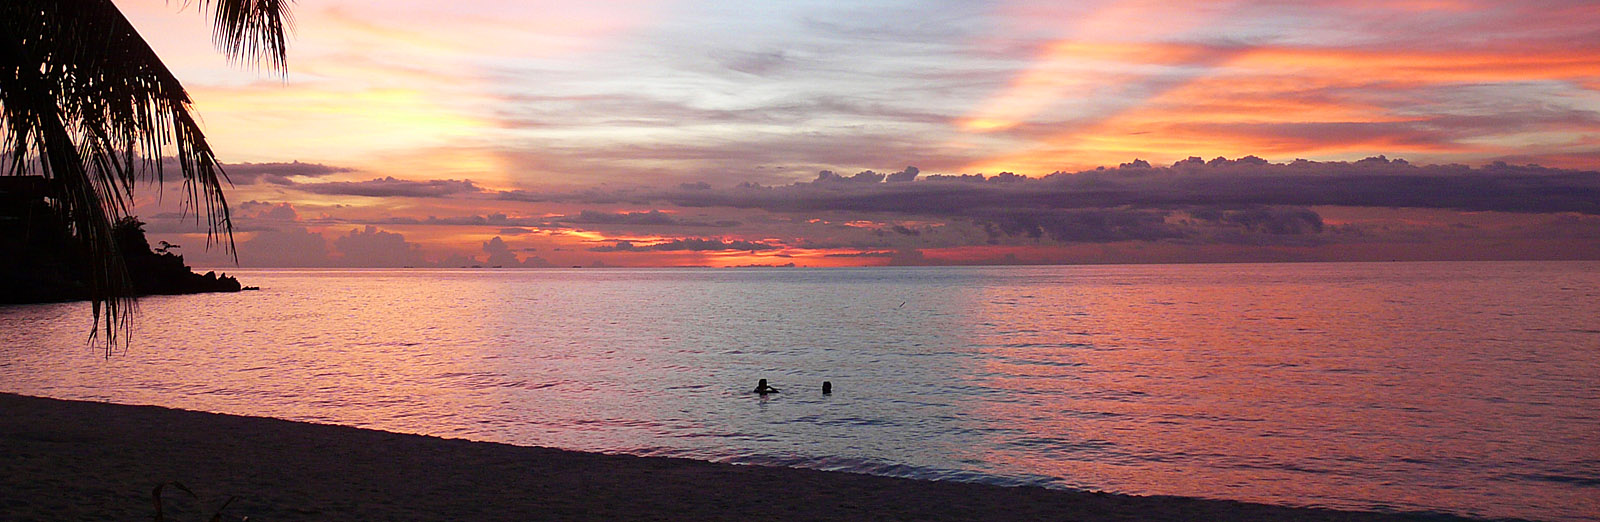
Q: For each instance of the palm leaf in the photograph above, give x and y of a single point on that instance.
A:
(252, 31)
(85, 102)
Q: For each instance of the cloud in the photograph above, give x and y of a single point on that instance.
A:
(278, 173)
(1239, 201)
(270, 172)
(1247, 182)
(371, 247)
(287, 248)
(688, 244)
(499, 253)
(905, 231)
(496, 219)
(501, 256)
(866, 253)
(653, 217)
(866, 176)
(910, 174)
(391, 187)
(1267, 220)
(1190, 204)
(1083, 225)
(757, 64)
(262, 210)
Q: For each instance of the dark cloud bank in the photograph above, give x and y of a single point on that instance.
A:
(1234, 201)
(1243, 201)
(1247, 201)
(1243, 183)
(1218, 183)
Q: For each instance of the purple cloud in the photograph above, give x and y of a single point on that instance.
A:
(391, 187)
(276, 173)
(1247, 182)
(687, 244)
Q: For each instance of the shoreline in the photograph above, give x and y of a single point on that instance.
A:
(247, 269)
(77, 460)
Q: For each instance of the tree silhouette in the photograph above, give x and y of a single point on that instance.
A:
(86, 104)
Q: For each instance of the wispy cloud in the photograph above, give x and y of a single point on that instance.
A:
(391, 187)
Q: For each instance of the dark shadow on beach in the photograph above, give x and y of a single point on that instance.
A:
(69, 460)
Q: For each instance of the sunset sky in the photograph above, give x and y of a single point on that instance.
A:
(662, 133)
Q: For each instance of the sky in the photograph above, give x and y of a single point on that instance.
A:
(666, 133)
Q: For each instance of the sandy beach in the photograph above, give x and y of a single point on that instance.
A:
(71, 460)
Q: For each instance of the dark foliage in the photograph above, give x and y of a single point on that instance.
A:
(87, 105)
(40, 262)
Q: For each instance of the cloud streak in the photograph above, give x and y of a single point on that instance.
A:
(653, 217)
(277, 172)
(688, 245)
(391, 187)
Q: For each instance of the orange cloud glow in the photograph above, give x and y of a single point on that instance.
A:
(1232, 110)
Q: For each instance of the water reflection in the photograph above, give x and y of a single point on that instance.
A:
(1462, 387)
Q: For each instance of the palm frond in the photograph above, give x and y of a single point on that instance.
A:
(86, 102)
(252, 31)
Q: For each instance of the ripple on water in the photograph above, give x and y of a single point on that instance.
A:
(1463, 388)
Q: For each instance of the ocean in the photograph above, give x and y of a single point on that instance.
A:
(1468, 388)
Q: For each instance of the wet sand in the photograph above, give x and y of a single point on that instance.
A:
(71, 460)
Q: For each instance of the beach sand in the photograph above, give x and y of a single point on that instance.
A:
(72, 460)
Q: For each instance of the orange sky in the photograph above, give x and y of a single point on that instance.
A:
(475, 110)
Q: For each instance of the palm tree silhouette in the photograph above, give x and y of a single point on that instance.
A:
(89, 107)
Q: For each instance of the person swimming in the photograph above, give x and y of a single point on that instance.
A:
(827, 388)
(762, 388)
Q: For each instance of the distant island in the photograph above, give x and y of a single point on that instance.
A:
(40, 262)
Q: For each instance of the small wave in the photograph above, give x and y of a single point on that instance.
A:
(1060, 445)
(1588, 481)
(1046, 345)
(1038, 362)
(891, 469)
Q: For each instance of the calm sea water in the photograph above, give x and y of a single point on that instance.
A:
(1468, 388)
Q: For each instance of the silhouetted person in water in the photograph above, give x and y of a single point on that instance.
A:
(762, 388)
(827, 388)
